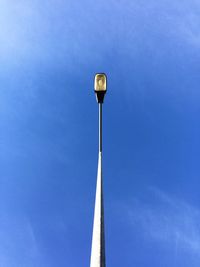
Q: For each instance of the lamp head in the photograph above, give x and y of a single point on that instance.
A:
(100, 86)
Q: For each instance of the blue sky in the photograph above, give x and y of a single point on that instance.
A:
(49, 53)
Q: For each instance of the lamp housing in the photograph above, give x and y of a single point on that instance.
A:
(100, 86)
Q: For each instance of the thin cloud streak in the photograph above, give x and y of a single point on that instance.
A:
(40, 31)
(18, 243)
(170, 221)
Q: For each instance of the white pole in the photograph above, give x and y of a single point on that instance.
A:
(98, 238)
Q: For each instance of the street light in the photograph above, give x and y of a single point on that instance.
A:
(98, 239)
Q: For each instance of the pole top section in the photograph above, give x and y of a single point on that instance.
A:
(100, 86)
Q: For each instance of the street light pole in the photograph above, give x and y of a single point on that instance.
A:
(98, 238)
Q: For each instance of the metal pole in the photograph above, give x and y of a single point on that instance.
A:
(100, 127)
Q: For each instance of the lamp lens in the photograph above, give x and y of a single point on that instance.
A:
(100, 82)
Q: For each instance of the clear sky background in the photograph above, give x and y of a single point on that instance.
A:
(49, 53)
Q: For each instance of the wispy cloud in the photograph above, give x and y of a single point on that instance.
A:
(167, 220)
(18, 242)
(44, 31)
